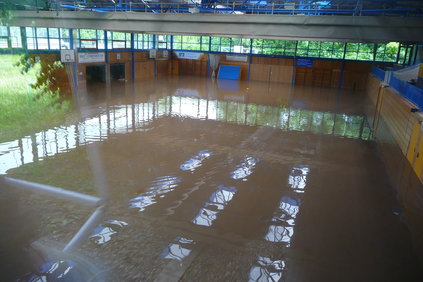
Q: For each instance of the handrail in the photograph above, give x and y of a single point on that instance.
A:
(234, 7)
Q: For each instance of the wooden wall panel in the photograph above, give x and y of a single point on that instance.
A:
(141, 55)
(354, 80)
(144, 70)
(396, 112)
(190, 67)
(124, 57)
(273, 61)
(162, 67)
(303, 76)
(259, 72)
(281, 73)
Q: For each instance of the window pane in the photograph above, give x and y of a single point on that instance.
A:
(53, 32)
(15, 37)
(88, 34)
(64, 33)
(41, 32)
(42, 43)
(30, 31)
(3, 43)
(4, 31)
(54, 43)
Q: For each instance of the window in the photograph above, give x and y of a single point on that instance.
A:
(119, 40)
(360, 52)
(331, 50)
(42, 38)
(387, 52)
(88, 38)
(186, 42)
(64, 38)
(143, 41)
(54, 38)
(273, 47)
(31, 38)
(15, 37)
(404, 54)
(163, 41)
(4, 37)
(230, 45)
(205, 43)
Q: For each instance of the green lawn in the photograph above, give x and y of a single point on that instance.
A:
(20, 112)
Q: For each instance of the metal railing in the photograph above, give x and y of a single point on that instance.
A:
(281, 7)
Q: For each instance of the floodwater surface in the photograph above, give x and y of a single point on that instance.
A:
(216, 181)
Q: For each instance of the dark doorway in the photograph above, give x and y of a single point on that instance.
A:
(96, 74)
(117, 72)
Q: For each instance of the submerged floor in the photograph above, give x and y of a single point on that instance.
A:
(219, 181)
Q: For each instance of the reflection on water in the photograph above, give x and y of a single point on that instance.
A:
(282, 228)
(195, 161)
(245, 168)
(51, 271)
(266, 270)
(177, 250)
(121, 119)
(158, 188)
(104, 232)
(298, 178)
(217, 202)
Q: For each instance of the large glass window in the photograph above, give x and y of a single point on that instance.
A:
(88, 38)
(387, 52)
(230, 45)
(143, 41)
(360, 51)
(163, 41)
(273, 47)
(119, 40)
(195, 43)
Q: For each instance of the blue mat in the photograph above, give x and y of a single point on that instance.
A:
(229, 72)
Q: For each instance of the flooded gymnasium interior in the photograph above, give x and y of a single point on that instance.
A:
(211, 140)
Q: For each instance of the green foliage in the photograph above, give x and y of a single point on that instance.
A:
(21, 112)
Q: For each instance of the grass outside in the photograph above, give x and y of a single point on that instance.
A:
(21, 113)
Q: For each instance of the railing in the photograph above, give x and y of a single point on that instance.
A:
(351, 8)
(407, 90)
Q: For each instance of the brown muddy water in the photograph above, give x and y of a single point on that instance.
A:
(207, 181)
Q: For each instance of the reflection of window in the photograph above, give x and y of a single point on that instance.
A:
(298, 178)
(217, 202)
(267, 270)
(178, 250)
